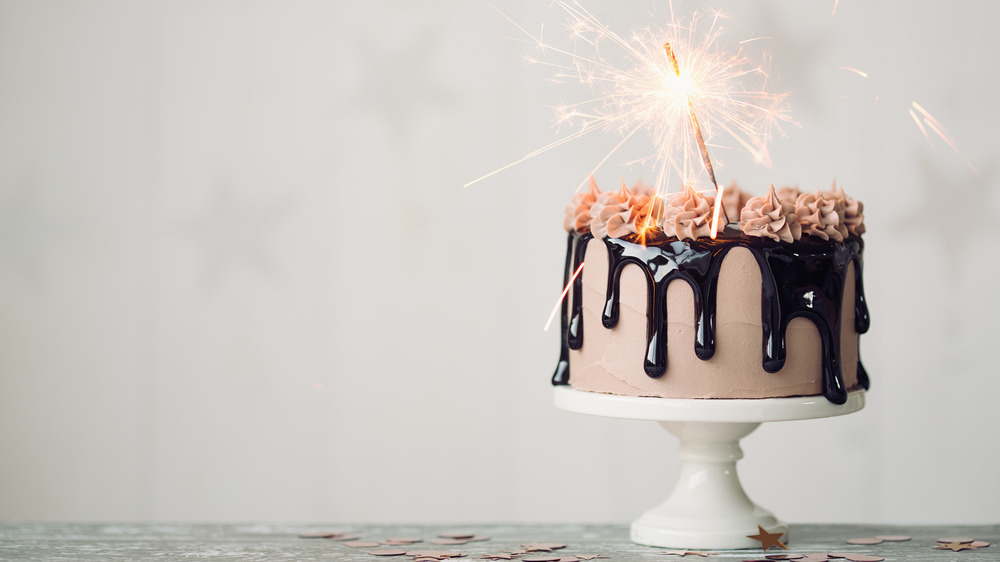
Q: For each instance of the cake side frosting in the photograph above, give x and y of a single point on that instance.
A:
(735, 317)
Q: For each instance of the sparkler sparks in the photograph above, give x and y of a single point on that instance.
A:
(555, 309)
(936, 126)
(638, 89)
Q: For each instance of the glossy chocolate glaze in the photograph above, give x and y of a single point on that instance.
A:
(802, 279)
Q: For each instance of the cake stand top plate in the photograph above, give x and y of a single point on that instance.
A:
(707, 409)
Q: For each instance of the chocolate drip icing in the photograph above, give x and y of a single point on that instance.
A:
(804, 279)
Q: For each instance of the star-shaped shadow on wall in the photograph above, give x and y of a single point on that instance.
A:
(795, 56)
(233, 233)
(401, 82)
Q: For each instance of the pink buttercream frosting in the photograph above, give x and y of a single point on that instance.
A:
(689, 215)
(577, 216)
(768, 216)
(626, 212)
(788, 194)
(853, 217)
(821, 216)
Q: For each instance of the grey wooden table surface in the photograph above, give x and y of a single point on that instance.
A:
(251, 542)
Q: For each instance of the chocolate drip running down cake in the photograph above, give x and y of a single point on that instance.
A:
(772, 306)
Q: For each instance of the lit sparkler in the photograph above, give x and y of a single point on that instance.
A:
(936, 126)
(645, 91)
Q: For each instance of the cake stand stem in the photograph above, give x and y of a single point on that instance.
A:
(708, 508)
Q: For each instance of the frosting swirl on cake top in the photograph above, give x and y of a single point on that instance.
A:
(689, 215)
(626, 212)
(768, 216)
(821, 215)
(577, 216)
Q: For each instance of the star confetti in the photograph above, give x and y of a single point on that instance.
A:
(767, 540)
(954, 546)
(542, 547)
(683, 553)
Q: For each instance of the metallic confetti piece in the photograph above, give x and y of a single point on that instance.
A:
(590, 556)
(960, 540)
(541, 559)
(319, 535)
(542, 546)
(864, 541)
(360, 544)
(767, 540)
(341, 537)
(503, 556)
(784, 556)
(435, 554)
(401, 540)
(979, 544)
(387, 552)
(478, 538)
(894, 538)
(449, 541)
(864, 558)
(954, 546)
(456, 535)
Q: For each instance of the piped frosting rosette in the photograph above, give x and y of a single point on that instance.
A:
(853, 211)
(768, 216)
(821, 215)
(626, 212)
(577, 216)
(688, 216)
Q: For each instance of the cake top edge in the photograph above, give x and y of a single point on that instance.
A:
(784, 215)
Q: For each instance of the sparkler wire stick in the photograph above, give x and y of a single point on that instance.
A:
(701, 145)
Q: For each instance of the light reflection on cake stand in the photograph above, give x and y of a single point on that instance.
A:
(708, 508)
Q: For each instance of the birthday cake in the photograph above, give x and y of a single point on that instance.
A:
(768, 304)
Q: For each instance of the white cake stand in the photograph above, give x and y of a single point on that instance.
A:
(708, 508)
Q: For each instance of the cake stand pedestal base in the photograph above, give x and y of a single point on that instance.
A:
(708, 508)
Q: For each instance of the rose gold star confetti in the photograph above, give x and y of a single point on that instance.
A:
(503, 556)
(684, 553)
(815, 557)
(478, 538)
(784, 557)
(541, 559)
(864, 558)
(568, 559)
(767, 540)
(342, 537)
(542, 546)
(979, 544)
(456, 535)
(319, 535)
(401, 540)
(959, 540)
(839, 554)
(439, 554)
(894, 538)
(864, 541)
(954, 546)
(360, 544)
(387, 552)
(449, 541)
(590, 556)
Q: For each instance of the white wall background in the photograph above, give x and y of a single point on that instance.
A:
(239, 279)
